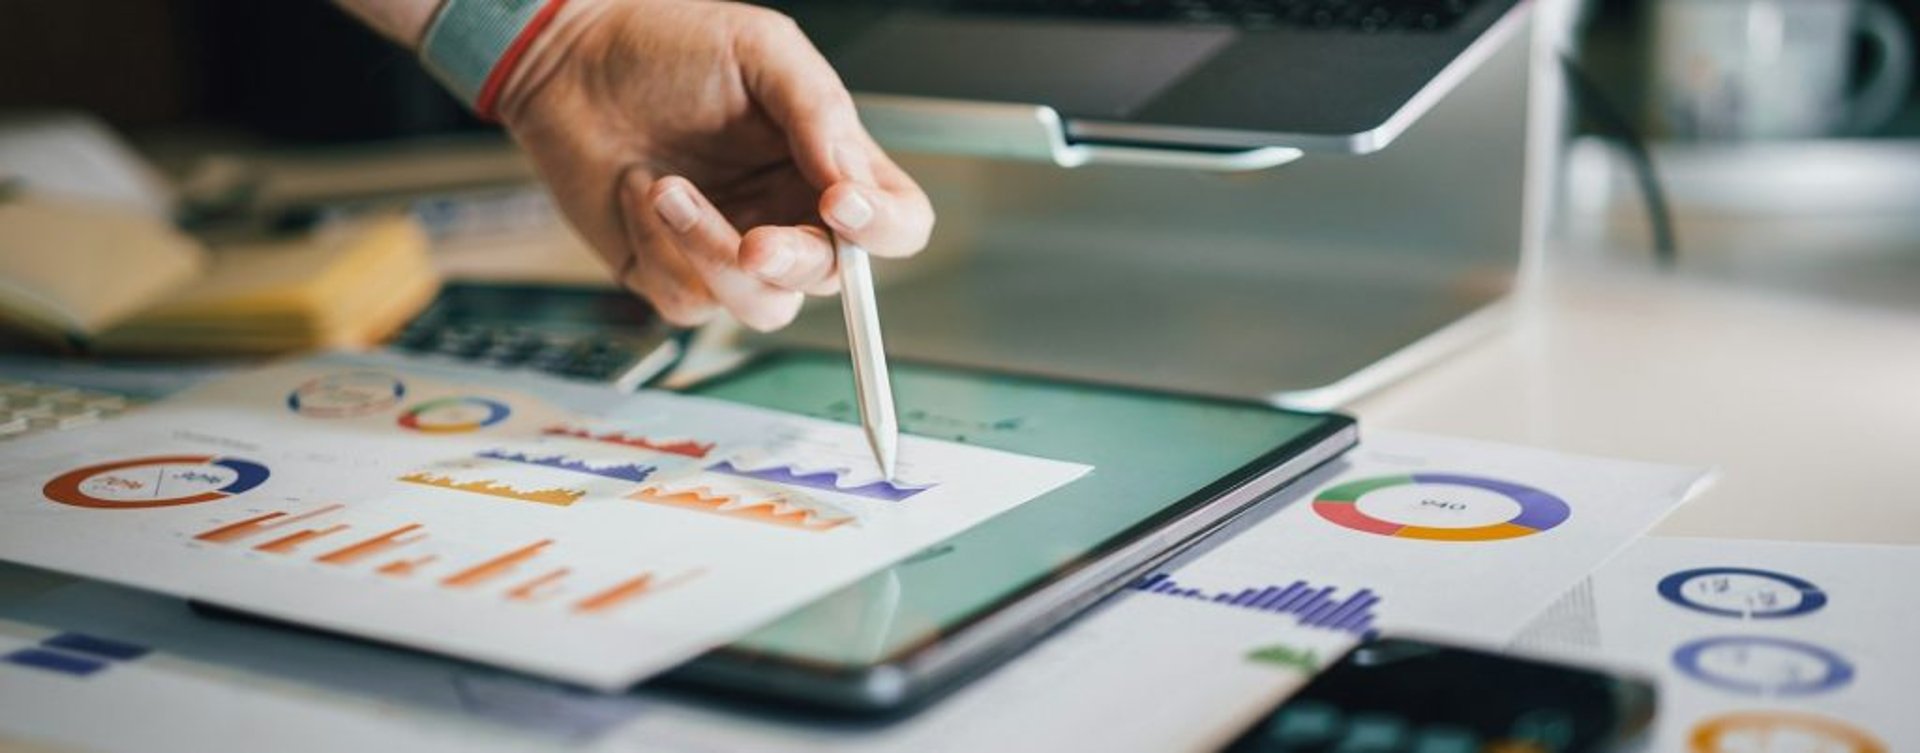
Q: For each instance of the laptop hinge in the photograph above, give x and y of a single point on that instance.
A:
(1033, 133)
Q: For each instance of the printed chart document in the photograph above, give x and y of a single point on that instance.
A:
(580, 534)
(1214, 664)
(1758, 645)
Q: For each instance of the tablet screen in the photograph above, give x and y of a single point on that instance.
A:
(1149, 451)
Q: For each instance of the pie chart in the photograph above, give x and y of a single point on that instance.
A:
(454, 415)
(1441, 507)
(158, 481)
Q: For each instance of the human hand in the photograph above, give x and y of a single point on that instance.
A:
(702, 148)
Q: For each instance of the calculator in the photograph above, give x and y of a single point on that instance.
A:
(584, 333)
(1396, 695)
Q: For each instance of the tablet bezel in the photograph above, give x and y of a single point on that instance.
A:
(918, 672)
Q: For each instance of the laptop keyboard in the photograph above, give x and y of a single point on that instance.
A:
(1372, 16)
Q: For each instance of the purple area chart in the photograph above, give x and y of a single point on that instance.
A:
(825, 480)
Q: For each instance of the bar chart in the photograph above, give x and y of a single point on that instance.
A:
(785, 510)
(1309, 606)
(332, 536)
(683, 447)
(556, 496)
(633, 472)
(830, 480)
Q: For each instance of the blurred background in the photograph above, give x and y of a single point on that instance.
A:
(300, 71)
(1774, 143)
(1749, 106)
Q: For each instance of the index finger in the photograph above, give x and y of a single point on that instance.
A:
(796, 86)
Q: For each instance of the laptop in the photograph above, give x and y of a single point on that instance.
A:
(1341, 76)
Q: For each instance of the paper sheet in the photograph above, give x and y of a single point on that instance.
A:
(1148, 672)
(583, 535)
(1758, 646)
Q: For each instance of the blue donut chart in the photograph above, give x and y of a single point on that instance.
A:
(1687, 659)
(1673, 589)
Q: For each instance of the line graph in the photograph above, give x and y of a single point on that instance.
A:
(1309, 606)
(832, 480)
(558, 497)
(684, 447)
(779, 510)
(633, 472)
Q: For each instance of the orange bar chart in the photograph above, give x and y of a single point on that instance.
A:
(536, 589)
(232, 532)
(404, 568)
(386, 542)
(621, 593)
(495, 567)
(286, 544)
(627, 590)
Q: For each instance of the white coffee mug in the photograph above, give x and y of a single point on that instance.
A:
(1776, 69)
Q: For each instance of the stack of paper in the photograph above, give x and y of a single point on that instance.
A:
(115, 281)
(343, 286)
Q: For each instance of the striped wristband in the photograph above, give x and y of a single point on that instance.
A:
(473, 46)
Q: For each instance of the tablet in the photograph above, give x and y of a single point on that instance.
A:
(1167, 470)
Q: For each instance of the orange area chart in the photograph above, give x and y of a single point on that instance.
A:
(488, 487)
(777, 510)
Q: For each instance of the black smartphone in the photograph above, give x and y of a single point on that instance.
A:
(1394, 695)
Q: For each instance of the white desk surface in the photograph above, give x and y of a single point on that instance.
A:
(1806, 403)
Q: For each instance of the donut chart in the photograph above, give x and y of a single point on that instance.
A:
(348, 394)
(1742, 592)
(454, 415)
(1537, 511)
(1763, 665)
(158, 481)
(1777, 730)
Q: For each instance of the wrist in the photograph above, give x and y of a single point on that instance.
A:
(545, 55)
(475, 47)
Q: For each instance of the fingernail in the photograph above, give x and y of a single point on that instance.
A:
(778, 260)
(677, 208)
(852, 211)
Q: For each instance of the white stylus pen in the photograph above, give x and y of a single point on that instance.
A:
(871, 384)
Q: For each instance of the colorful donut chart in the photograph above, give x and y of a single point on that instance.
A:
(72, 487)
(1784, 595)
(1539, 511)
(464, 414)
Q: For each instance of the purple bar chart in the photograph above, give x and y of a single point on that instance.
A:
(1314, 607)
